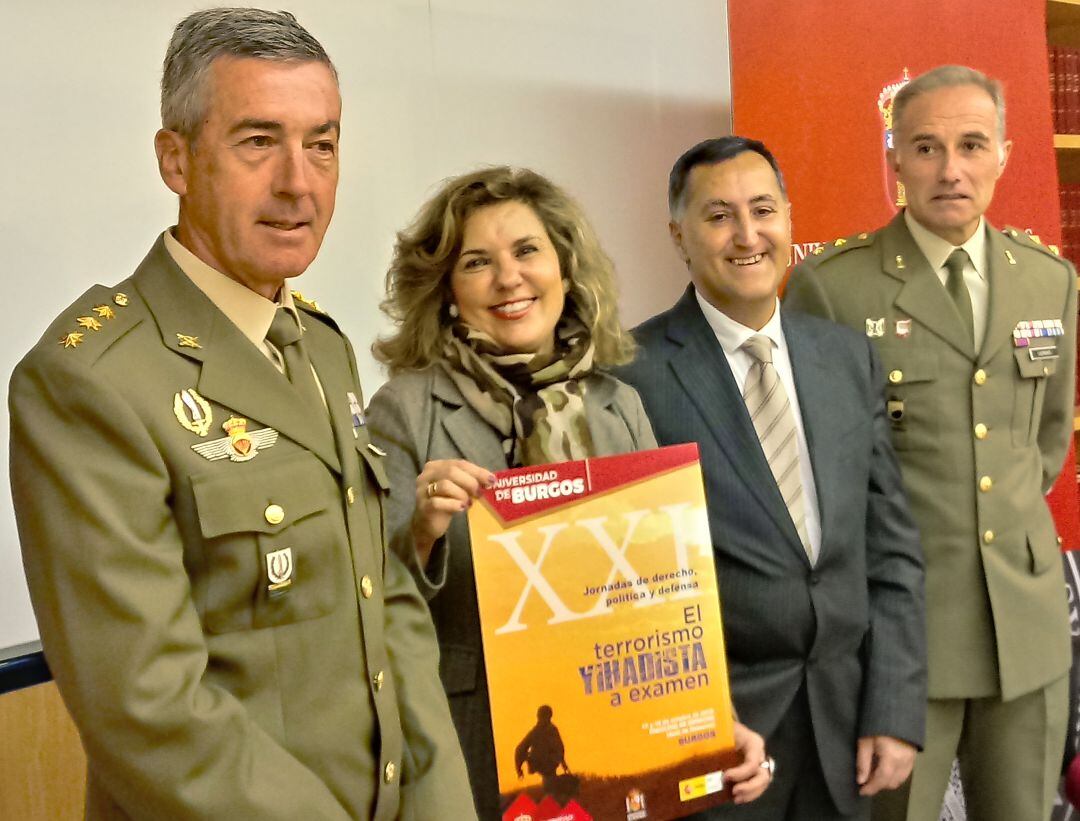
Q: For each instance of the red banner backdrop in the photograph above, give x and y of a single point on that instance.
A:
(806, 78)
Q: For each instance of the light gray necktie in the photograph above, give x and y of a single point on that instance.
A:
(958, 290)
(767, 402)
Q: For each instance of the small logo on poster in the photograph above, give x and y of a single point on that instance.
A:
(635, 805)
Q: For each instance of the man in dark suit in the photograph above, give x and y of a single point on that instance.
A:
(820, 570)
(224, 621)
(977, 331)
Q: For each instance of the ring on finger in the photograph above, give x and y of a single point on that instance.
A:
(432, 488)
(769, 764)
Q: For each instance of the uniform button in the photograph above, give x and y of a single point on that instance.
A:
(981, 431)
(986, 484)
(980, 377)
(367, 587)
(350, 494)
(988, 537)
(378, 680)
(896, 377)
(389, 771)
(274, 514)
(814, 578)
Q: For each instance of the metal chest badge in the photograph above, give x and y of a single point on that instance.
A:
(279, 571)
(903, 328)
(240, 445)
(875, 327)
(192, 412)
(356, 413)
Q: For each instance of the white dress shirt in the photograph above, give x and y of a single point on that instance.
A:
(731, 335)
(976, 270)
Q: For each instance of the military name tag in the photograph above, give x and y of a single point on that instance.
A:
(1036, 354)
(279, 571)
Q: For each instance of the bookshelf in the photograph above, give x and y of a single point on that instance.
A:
(1063, 29)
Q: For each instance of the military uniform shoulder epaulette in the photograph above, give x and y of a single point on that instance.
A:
(312, 307)
(94, 321)
(838, 246)
(1031, 242)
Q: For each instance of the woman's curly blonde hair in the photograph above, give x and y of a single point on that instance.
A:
(418, 282)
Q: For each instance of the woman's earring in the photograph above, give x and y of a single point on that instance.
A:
(452, 310)
(565, 285)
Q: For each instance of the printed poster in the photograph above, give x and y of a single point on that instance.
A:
(602, 639)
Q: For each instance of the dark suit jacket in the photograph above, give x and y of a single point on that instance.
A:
(852, 625)
(197, 693)
(421, 416)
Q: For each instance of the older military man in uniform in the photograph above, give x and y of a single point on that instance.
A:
(199, 505)
(976, 328)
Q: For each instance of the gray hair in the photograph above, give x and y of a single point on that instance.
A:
(948, 77)
(203, 36)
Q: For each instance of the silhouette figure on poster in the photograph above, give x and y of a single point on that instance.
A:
(543, 750)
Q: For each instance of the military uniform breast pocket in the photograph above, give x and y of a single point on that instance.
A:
(1034, 364)
(912, 396)
(272, 535)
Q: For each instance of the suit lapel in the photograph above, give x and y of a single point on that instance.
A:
(1006, 296)
(703, 371)
(812, 380)
(234, 373)
(328, 357)
(922, 296)
(475, 439)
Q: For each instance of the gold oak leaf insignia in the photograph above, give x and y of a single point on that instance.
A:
(71, 340)
(104, 311)
(89, 322)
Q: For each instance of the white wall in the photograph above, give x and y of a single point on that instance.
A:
(600, 95)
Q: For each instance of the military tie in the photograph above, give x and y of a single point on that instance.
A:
(771, 414)
(285, 335)
(958, 290)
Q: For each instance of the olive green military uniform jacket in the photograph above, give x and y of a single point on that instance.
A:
(225, 624)
(981, 437)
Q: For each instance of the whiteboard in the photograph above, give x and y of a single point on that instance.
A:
(600, 95)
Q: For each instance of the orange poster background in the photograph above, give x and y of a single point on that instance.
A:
(805, 79)
(540, 665)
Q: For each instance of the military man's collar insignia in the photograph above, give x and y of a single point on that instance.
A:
(105, 311)
(307, 303)
(71, 340)
(192, 412)
(240, 445)
(187, 341)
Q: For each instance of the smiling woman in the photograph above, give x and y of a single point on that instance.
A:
(506, 321)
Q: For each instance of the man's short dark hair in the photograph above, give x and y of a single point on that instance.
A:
(712, 152)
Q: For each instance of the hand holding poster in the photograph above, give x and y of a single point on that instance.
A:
(602, 639)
